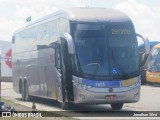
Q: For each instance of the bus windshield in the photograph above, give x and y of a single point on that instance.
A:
(154, 63)
(104, 51)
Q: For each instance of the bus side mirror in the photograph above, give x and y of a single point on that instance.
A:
(70, 43)
(143, 59)
(146, 43)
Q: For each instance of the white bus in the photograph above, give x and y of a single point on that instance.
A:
(79, 55)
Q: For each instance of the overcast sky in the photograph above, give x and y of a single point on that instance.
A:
(145, 14)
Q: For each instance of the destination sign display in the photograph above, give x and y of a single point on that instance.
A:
(122, 31)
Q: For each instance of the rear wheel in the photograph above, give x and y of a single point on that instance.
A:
(117, 106)
(150, 83)
(143, 82)
(20, 86)
(65, 105)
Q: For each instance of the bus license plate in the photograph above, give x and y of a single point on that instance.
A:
(111, 97)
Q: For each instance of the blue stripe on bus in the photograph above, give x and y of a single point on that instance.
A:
(95, 83)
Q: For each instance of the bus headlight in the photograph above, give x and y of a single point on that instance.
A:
(84, 86)
(133, 82)
(127, 83)
(79, 83)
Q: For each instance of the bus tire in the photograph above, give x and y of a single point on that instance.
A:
(143, 82)
(20, 86)
(22, 91)
(117, 106)
(152, 83)
(25, 93)
(65, 105)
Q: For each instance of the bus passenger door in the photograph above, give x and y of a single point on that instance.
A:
(64, 85)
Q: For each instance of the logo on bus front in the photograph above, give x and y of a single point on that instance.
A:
(110, 89)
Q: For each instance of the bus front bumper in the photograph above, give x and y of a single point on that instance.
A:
(94, 96)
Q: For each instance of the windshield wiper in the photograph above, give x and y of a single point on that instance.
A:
(97, 66)
(133, 74)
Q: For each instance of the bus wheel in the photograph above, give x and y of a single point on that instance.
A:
(117, 106)
(65, 105)
(150, 83)
(20, 86)
(25, 94)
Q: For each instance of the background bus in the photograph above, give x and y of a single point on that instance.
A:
(153, 72)
(143, 69)
(81, 55)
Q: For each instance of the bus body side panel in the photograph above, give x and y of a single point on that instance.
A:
(41, 64)
(42, 79)
(30, 72)
(47, 73)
